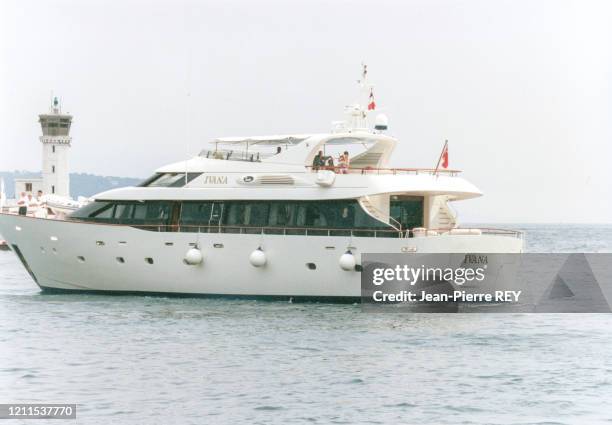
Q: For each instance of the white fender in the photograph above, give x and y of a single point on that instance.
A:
(348, 261)
(258, 258)
(194, 257)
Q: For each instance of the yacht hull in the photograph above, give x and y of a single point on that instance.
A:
(77, 256)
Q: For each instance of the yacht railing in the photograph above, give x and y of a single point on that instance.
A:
(320, 231)
(314, 231)
(502, 232)
(473, 231)
(392, 171)
(285, 231)
(390, 220)
(305, 231)
(234, 155)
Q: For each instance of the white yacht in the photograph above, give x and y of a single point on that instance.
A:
(254, 217)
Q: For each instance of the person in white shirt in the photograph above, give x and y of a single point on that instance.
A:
(32, 202)
(23, 204)
(42, 210)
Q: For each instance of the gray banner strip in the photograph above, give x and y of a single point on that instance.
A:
(38, 411)
(537, 283)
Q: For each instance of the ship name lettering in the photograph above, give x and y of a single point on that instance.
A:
(215, 180)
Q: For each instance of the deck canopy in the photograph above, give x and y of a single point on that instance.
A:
(277, 140)
(367, 149)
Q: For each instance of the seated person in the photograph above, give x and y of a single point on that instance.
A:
(343, 162)
(318, 161)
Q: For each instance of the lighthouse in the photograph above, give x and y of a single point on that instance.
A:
(56, 143)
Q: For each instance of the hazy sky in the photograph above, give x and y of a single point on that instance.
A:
(522, 89)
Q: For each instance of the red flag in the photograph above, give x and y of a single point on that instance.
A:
(372, 104)
(445, 157)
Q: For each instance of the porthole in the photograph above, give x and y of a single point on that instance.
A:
(120, 260)
(149, 260)
(218, 245)
(169, 243)
(100, 243)
(358, 268)
(81, 259)
(311, 266)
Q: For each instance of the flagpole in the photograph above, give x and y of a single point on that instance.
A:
(440, 158)
(2, 195)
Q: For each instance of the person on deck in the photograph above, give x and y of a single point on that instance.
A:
(347, 160)
(318, 161)
(23, 204)
(343, 163)
(32, 204)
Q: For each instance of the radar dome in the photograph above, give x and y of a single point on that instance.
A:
(381, 122)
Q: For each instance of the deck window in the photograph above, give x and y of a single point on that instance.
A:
(247, 213)
(135, 213)
(337, 214)
(169, 179)
(290, 217)
(195, 213)
(407, 210)
(89, 210)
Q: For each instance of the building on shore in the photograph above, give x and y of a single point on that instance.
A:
(56, 142)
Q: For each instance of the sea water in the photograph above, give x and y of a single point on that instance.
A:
(147, 360)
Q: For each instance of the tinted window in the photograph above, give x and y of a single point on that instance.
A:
(151, 212)
(89, 209)
(104, 213)
(336, 214)
(408, 210)
(140, 212)
(247, 213)
(158, 212)
(282, 214)
(123, 211)
(195, 213)
(169, 179)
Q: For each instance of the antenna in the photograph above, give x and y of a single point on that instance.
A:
(188, 88)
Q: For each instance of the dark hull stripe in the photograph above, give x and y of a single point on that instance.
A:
(299, 298)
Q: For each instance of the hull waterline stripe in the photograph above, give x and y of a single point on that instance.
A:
(298, 298)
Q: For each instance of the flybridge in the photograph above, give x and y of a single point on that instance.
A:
(357, 145)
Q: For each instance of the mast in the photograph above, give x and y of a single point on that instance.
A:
(358, 111)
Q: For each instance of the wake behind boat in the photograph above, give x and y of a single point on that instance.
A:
(277, 216)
